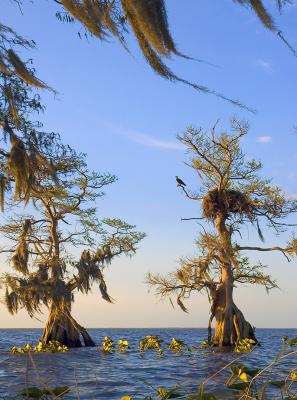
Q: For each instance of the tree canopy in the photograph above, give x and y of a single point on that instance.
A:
(232, 194)
(41, 244)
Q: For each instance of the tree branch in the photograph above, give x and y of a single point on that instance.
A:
(188, 219)
(188, 195)
(289, 250)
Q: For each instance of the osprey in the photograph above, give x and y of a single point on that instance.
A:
(180, 182)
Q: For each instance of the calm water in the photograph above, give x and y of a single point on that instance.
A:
(93, 375)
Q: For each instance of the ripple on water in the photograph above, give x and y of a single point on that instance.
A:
(94, 375)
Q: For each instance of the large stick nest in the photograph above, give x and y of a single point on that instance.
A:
(226, 202)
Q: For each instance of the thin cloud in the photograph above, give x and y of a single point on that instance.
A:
(144, 139)
(263, 64)
(264, 139)
(150, 141)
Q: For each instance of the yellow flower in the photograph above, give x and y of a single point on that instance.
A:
(242, 376)
(293, 376)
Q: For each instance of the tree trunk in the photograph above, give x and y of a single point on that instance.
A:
(61, 326)
(230, 324)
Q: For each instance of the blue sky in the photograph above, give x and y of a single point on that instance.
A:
(126, 118)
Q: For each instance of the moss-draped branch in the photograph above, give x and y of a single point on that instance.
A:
(148, 21)
(40, 245)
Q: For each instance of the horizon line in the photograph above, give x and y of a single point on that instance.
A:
(166, 327)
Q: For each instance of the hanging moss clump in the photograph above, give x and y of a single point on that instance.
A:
(19, 260)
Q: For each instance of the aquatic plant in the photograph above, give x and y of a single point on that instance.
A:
(35, 392)
(176, 345)
(203, 348)
(123, 345)
(249, 385)
(244, 345)
(276, 380)
(252, 383)
(53, 346)
(203, 345)
(151, 343)
(107, 345)
(243, 382)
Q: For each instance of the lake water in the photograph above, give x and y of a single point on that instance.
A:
(93, 375)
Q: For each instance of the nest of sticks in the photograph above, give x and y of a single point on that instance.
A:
(226, 202)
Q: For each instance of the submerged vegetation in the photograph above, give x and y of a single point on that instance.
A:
(107, 345)
(151, 343)
(234, 380)
(53, 346)
(176, 345)
(244, 345)
(35, 392)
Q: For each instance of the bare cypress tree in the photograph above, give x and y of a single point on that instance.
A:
(46, 272)
(232, 195)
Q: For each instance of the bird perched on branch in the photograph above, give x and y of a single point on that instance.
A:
(180, 182)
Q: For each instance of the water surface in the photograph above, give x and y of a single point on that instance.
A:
(93, 375)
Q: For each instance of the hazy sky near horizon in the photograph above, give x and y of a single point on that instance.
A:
(126, 118)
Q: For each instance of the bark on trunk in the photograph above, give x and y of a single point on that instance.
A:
(230, 324)
(61, 326)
